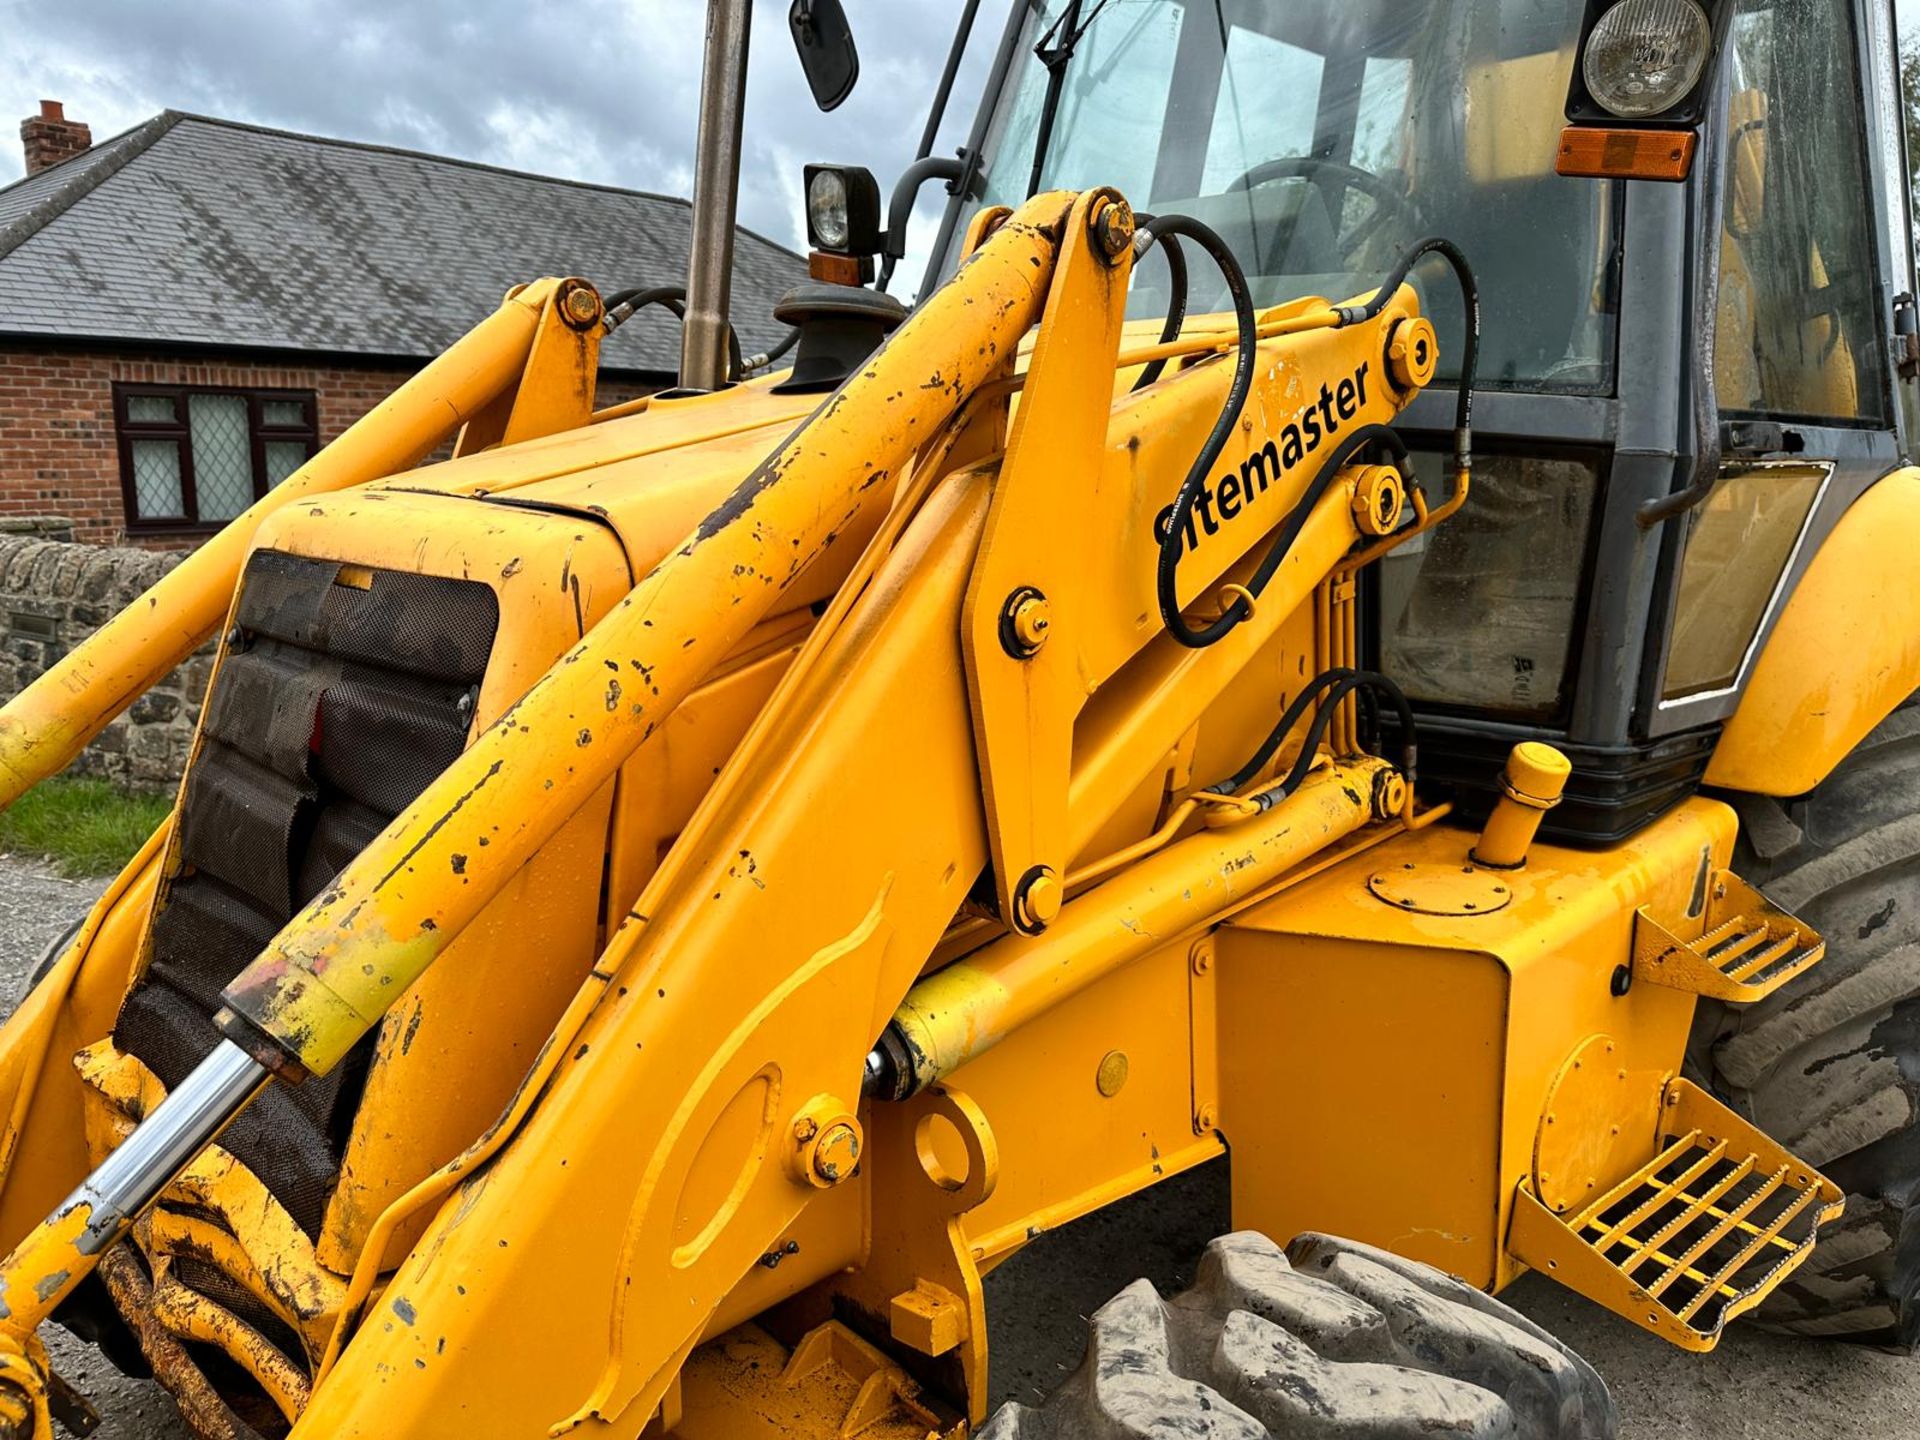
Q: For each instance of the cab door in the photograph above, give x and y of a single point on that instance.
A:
(1802, 365)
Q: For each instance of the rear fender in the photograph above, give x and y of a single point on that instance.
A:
(1843, 655)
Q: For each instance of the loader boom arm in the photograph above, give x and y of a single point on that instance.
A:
(772, 948)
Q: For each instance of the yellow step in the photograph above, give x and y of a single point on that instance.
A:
(1701, 1233)
(1748, 948)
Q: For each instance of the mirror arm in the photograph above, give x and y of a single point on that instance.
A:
(907, 189)
(961, 173)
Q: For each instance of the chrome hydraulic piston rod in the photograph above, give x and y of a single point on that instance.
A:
(40, 1272)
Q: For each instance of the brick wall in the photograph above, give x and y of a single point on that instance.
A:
(58, 456)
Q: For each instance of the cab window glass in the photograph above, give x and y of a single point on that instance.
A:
(1247, 126)
(1798, 333)
(1480, 613)
(1108, 123)
(1321, 138)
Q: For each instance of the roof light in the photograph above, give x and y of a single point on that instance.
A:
(1645, 56)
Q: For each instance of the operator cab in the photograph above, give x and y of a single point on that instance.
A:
(1682, 385)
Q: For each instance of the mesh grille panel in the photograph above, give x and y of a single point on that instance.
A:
(382, 740)
(339, 700)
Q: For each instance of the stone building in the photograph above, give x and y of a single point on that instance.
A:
(189, 309)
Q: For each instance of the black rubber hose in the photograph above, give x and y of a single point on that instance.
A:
(1276, 737)
(1323, 478)
(1176, 305)
(1380, 685)
(791, 339)
(638, 297)
(1327, 690)
(674, 299)
(1469, 345)
(1169, 557)
(1187, 228)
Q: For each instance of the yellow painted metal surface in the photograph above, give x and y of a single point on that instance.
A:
(962, 1011)
(1067, 1147)
(448, 1058)
(1529, 787)
(45, 1148)
(752, 743)
(1026, 692)
(1844, 652)
(1416, 1052)
(1700, 1232)
(333, 971)
(1748, 950)
(831, 1386)
(648, 1266)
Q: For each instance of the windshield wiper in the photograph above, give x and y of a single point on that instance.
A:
(1054, 51)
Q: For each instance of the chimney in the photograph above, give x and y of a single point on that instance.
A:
(50, 137)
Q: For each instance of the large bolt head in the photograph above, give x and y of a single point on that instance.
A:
(580, 306)
(1040, 900)
(1112, 224)
(837, 1153)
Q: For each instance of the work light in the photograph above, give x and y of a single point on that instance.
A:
(1644, 56)
(843, 209)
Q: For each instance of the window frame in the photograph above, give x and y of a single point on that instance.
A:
(179, 432)
(1557, 718)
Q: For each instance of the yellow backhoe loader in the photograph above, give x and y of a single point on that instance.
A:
(1360, 631)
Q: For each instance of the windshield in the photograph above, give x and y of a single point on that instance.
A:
(1321, 138)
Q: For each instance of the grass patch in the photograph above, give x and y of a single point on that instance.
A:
(84, 827)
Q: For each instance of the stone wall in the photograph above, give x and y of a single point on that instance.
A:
(52, 596)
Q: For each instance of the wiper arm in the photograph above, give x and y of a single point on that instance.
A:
(1054, 50)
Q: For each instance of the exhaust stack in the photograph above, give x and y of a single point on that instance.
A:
(716, 192)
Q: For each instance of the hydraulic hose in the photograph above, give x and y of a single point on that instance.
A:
(1469, 344)
(762, 362)
(1326, 691)
(621, 305)
(1167, 569)
(1176, 305)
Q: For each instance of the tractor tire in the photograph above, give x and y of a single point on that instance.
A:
(1329, 1339)
(1830, 1066)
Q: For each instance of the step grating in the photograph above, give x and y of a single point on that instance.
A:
(1703, 1232)
(1748, 948)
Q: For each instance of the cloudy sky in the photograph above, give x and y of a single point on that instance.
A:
(601, 90)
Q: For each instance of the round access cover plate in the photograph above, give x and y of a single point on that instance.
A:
(1461, 889)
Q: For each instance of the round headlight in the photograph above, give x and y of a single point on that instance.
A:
(827, 209)
(1644, 56)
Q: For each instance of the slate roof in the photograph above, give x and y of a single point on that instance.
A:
(191, 230)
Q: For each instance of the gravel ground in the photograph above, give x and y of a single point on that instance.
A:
(36, 906)
(1754, 1387)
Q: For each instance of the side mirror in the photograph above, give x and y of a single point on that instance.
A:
(824, 40)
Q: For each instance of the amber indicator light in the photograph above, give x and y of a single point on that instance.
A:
(1620, 153)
